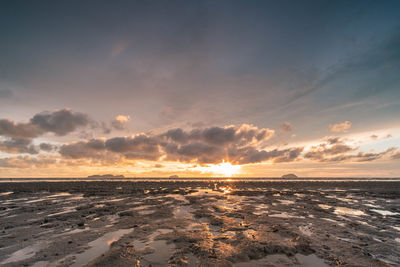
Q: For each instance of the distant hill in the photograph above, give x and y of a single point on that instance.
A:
(290, 175)
(106, 176)
(174, 176)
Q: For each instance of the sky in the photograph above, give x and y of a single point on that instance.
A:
(200, 88)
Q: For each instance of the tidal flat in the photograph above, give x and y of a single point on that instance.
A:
(200, 223)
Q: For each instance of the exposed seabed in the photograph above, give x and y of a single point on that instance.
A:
(200, 224)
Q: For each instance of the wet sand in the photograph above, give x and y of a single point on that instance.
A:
(200, 223)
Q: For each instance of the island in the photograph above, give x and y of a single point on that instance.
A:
(105, 176)
(290, 175)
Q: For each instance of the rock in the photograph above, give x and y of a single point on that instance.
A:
(290, 175)
(106, 176)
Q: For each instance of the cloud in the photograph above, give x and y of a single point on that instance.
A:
(361, 156)
(47, 147)
(395, 156)
(25, 162)
(83, 149)
(158, 165)
(120, 121)
(11, 129)
(16, 146)
(237, 144)
(241, 135)
(335, 149)
(252, 155)
(333, 146)
(60, 122)
(286, 127)
(137, 147)
(374, 137)
(340, 127)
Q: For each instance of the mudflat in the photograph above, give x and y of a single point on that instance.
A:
(200, 223)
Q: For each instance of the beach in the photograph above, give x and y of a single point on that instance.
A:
(200, 223)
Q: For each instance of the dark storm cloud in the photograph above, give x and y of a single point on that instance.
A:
(60, 122)
(16, 146)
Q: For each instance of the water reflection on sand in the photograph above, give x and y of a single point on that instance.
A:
(189, 226)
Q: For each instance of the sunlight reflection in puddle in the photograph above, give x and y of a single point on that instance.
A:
(385, 212)
(25, 253)
(99, 246)
(348, 211)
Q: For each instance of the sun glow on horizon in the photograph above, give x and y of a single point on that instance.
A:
(225, 169)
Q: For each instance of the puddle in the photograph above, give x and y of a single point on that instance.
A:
(66, 210)
(146, 212)
(158, 252)
(183, 212)
(79, 197)
(311, 260)
(36, 200)
(178, 197)
(348, 211)
(64, 194)
(372, 206)
(325, 207)
(306, 229)
(162, 252)
(40, 264)
(143, 207)
(74, 231)
(286, 215)
(25, 253)
(286, 202)
(98, 247)
(260, 212)
(270, 260)
(385, 212)
(116, 199)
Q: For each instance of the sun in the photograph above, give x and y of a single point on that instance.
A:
(225, 169)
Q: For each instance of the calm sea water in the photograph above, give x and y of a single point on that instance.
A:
(200, 179)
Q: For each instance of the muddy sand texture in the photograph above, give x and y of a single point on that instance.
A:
(200, 224)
